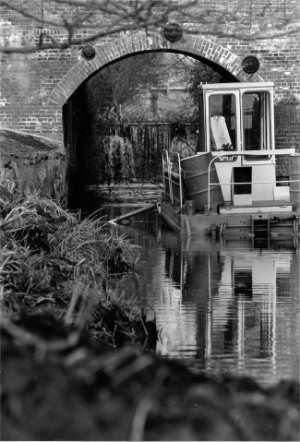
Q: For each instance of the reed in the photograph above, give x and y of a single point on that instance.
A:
(52, 261)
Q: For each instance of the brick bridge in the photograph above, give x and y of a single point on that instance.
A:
(128, 44)
(37, 90)
(138, 42)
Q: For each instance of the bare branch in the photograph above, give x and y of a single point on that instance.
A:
(22, 11)
(259, 35)
(100, 18)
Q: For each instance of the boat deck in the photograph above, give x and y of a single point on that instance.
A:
(259, 207)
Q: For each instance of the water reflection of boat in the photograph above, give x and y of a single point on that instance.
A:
(228, 305)
(250, 300)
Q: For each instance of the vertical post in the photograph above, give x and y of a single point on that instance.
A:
(274, 320)
(209, 317)
(170, 177)
(208, 182)
(208, 187)
(241, 334)
(163, 171)
(180, 181)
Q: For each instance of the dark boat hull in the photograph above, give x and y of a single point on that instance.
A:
(195, 179)
(273, 225)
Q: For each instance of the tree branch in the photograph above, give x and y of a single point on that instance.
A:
(22, 11)
(101, 18)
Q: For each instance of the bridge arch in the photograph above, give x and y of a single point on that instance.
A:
(84, 160)
(131, 43)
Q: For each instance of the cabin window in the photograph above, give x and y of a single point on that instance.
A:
(242, 177)
(222, 121)
(255, 120)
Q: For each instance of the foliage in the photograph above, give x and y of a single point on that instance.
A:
(117, 85)
(142, 87)
(202, 73)
(119, 164)
(52, 261)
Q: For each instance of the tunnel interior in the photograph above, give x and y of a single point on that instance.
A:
(120, 119)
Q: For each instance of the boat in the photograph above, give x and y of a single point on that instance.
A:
(229, 188)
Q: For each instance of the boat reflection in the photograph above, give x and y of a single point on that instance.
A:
(229, 307)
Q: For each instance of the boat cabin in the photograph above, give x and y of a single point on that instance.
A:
(234, 170)
(239, 119)
(237, 157)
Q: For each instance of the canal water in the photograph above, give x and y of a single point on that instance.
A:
(220, 307)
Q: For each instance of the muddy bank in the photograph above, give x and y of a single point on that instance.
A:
(61, 385)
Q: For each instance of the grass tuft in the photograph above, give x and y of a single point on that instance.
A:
(51, 261)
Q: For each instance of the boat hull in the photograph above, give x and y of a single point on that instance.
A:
(195, 178)
(273, 225)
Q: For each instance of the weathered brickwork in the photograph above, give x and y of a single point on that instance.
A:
(34, 87)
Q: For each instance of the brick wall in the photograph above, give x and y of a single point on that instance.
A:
(31, 83)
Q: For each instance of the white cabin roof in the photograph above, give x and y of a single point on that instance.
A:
(261, 85)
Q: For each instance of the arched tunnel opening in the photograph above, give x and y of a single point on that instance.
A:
(120, 119)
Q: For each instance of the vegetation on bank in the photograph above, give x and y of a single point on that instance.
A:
(56, 264)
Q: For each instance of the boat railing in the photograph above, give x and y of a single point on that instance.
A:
(172, 177)
(210, 184)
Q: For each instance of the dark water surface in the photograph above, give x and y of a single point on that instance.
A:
(221, 307)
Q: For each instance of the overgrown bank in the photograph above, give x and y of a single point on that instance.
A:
(55, 264)
(71, 367)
